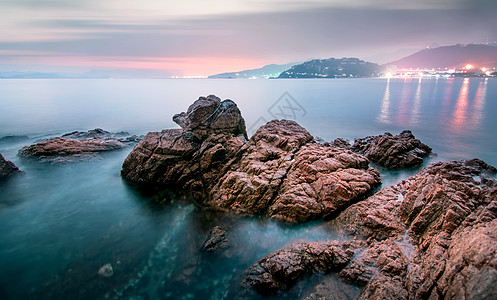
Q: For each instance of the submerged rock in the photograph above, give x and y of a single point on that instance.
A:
(396, 152)
(281, 269)
(7, 167)
(216, 241)
(13, 139)
(106, 271)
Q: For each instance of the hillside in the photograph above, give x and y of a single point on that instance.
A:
(268, 71)
(456, 56)
(332, 68)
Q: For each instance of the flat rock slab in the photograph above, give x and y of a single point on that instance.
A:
(66, 147)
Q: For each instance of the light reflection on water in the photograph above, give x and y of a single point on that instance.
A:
(68, 220)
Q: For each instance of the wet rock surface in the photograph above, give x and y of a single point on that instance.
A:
(396, 152)
(280, 270)
(217, 240)
(431, 236)
(7, 168)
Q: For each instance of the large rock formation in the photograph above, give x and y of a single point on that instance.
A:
(191, 157)
(396, 152)
(7, 167)
(280, 172)
(432, 236)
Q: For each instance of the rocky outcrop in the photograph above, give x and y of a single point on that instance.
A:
(7, 168)
(191, 157)
(439, 229)
(396, 152)
(210, 116)
(431, 236)
(282, 173)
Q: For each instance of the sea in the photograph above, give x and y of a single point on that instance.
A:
(61, 222)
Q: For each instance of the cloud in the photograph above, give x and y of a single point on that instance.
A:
(276, 31)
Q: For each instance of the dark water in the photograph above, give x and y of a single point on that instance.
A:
(59, 223)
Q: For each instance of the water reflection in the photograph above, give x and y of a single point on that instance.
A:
(479, 104)
(404, 103)
(466, 116)
(384, 116)
(460, 104)
(459, 115)
(414, 118)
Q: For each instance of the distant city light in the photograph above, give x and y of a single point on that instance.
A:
(469, 67)
(484, 70)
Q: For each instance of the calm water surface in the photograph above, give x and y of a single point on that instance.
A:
(60, 222)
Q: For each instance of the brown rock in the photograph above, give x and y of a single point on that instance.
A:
(396, 152)
(209, 115)
(253, 180)
(285, 176)
(450, 213)
(192, 157)
(65, 147)
(281, 269)
(321, 182)
(431, 236)
(7, 167)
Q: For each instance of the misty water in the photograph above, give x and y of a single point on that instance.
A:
(59, 223)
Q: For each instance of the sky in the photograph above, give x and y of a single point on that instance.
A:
(163, 38)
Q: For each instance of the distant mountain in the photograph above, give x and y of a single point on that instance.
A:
(333, 68)
(456, 56)
(264, 72)
(40, 75)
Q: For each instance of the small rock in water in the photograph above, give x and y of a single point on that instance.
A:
(216, 241)
(106, 271)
